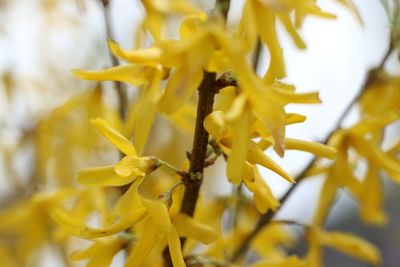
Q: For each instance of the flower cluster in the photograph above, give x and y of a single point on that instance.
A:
(148, 204)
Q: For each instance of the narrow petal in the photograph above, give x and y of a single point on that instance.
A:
(180, 87)
(148, 56)
(284, 96)
(83, 254)
(158, 212)
(117, 139)
(320, 150)
(175, 249)
(240, 142)
(372, 199)
(292, 118)
(123, 223)
(131, 199)
(67, 222)
(102, 176)
(215, 124)
(256, 156)
(262, 194)
(326, 198)
(266, 27)
(105, 253)
(135, 75)
(377, 157)
(189, 227)
(352, 245)
(287, 23)
(148, 107)
(144, 246)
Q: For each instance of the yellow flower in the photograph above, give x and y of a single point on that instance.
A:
(158, 225)
(235, 128)
(344, 242)
(259, 20)
(124, 172)
(158, 10)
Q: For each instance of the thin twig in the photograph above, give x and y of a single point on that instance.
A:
(119, 87)
(267, 217)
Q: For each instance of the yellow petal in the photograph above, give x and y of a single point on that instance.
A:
(320, 150)
(129, 219)
(240, 141)
(225, 98)
(292, 118)
(180, 87)
(120, 141)
(262, 194)
(327, 196)
(102, 176)
(372, 199)
(148, 107)
(285, 19)
(83, 254)
(374, 123)
(189, 227)
(352, 245)
(67, 222)
(184, 117)
(237, 108)
(256, 156)
(377, 157)
(284, 96)
(175, 249)
(136, 166)
(130, 200)
(190, 25)
(104, 253)
(291, 261)
(133, 74)
(148, 56)
(214, 123)
(158, 212)
(144, 246)
(266, 27)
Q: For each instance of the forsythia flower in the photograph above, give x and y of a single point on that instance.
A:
(344, 242)
(124, 172)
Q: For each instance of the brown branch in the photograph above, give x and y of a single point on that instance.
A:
(193, 182)
(266, 218)
(200, 142)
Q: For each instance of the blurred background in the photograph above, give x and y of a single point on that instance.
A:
(42, 40)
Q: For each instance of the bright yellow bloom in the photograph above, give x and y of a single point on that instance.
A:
(158, 10)
(259, 21)
(124, 172)
(340, 172)
(235, 127)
